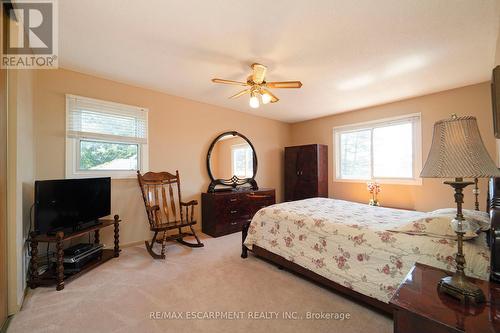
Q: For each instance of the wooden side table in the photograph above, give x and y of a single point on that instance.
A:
(49, 277)
(419, 307)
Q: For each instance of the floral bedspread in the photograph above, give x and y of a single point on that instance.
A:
(348, 243)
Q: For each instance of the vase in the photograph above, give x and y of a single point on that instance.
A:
(374, 201)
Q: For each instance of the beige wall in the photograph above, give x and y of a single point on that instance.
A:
(472, 100)
(497, 63)
(497, 55)
(20, 180)
(180, 134)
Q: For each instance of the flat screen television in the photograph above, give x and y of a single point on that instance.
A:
(495, 97)
(70, 204)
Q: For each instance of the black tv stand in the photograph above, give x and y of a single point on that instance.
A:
(59, 276)
(85, 225)
(77, 228)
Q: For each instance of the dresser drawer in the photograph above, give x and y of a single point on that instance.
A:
(263, 194)
(232, 213)
(230, 200)
(261, 202)
(260, 196)
(225, 213)
(257, 201)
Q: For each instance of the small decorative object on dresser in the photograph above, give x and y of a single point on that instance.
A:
(374, 190)
(419, 307)
(306, 172)
(458, 152)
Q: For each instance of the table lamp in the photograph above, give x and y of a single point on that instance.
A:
(458, 152)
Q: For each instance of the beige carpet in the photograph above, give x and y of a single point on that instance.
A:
(120, 295)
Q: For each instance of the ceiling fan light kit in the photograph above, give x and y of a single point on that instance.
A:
(266, 98)
(257, 86)
(254, 100)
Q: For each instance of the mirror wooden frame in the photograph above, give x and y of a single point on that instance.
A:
(233, 182)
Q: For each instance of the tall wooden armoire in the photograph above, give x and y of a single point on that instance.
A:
(306, 172)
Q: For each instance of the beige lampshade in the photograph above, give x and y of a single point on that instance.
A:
(458, 151)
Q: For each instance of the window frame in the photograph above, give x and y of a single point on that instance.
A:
(73, 145)
(414, 118)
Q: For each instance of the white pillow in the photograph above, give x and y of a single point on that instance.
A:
(481, 218)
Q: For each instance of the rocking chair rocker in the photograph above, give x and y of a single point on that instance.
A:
(162, 216)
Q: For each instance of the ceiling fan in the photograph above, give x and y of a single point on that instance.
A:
(257, 86)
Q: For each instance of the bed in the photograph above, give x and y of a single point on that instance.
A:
(347, 246)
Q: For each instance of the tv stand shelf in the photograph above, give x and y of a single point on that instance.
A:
(59, 277)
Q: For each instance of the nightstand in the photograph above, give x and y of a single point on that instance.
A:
(418, 307)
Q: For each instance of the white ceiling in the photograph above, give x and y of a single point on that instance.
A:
(348, 54)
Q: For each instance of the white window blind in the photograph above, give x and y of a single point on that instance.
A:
(95, 119)
(105, 138)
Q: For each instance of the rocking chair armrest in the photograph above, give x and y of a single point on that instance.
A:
(152, 208)
(189, 215)
(189, 203)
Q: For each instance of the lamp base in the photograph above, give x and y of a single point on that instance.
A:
(459, 287)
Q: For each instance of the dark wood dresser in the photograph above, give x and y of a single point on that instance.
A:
(226, 212)
(306, 172)
(418, 307)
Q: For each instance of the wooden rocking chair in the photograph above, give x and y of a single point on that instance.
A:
(158, 194)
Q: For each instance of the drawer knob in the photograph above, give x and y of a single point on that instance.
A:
(234, 223)
(233, 199)
(234, 211)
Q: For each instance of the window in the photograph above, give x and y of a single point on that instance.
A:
(242, 160)
(387, 151)
(105, 138)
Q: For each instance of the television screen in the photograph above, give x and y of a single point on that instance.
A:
(66, 204)
(495, 96)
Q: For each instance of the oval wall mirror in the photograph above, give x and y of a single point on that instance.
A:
(231, 162)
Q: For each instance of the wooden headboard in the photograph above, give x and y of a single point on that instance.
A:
(494, 234)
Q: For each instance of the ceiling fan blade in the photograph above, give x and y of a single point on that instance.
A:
(274, 99)
(237, 83)
(241, 93)
(259, 73)
(284, 84)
